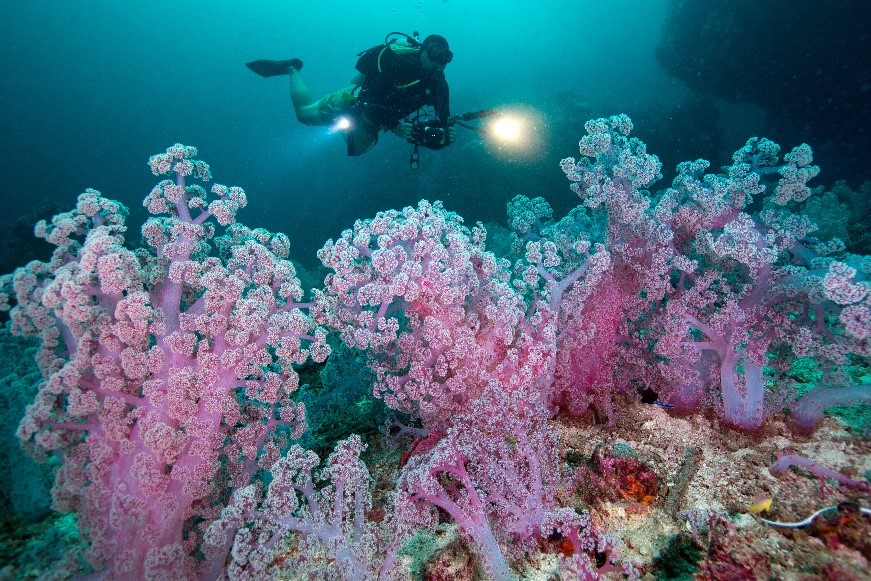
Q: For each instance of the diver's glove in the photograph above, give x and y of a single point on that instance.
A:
(404, 130)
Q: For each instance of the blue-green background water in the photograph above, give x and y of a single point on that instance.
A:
(90, 89)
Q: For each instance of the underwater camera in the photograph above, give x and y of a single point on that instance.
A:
(429, 136)
(425, 133)
(435, 137)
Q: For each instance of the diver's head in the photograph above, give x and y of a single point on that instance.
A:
(435, 53)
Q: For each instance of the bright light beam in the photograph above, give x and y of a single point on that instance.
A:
(517, 134)
(507, 129)
(341, 124)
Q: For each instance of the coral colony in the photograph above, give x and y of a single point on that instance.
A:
(170, 370)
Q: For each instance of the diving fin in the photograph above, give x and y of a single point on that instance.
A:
(267, 68)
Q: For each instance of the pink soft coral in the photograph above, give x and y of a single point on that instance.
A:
(166, 370)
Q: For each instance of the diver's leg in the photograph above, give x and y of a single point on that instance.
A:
(307, 110)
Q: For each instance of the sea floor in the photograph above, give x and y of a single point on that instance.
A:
(714, 487)
(684, 497)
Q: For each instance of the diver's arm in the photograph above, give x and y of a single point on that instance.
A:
(441, 103)
(358, 80)
(443, 112)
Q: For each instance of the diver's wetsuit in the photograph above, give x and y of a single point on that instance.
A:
(396, 85)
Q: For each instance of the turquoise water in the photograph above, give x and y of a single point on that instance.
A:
(92, 89)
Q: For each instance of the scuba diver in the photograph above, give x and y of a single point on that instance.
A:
(394, 82)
